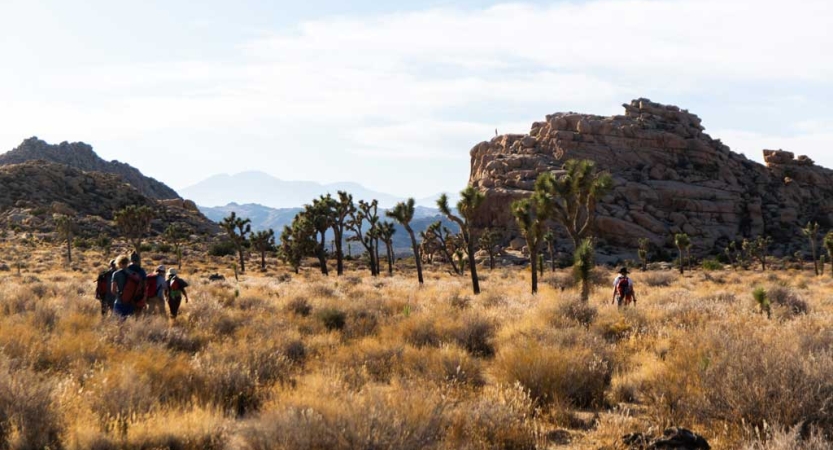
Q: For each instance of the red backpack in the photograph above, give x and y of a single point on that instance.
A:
(151, 286)
(624, 288)
(134, 288)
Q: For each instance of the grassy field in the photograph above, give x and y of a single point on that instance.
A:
(284, 361)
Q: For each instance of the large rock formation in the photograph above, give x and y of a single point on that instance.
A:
(669, 177)
(81, 156)
(32, 192)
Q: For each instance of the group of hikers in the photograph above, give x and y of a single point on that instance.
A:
(125, 289)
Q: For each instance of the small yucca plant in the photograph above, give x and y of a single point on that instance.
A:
(760, 296)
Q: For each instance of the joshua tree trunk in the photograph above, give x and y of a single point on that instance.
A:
(240, 252)
(322, 255)
(682, 264)
(475, 283)
(339, 254)
(69, 250)
(263, 260)
(389, 246)
(533, 259)
(417, 256)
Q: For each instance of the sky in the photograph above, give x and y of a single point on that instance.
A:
(393, 95)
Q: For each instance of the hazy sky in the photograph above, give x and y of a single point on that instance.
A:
(395, 96)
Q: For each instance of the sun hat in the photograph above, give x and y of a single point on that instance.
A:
(623, 270)
(171, 271)
(160, 269)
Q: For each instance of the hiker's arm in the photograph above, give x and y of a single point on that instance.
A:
(185, 294)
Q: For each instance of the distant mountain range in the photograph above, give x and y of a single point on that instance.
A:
(264, 217)
(263, 189)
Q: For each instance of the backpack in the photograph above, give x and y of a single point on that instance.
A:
(102, 284)
(151, 286)
(624, 288)
(134, 288)
(178, 284)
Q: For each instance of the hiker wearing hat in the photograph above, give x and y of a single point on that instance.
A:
(155, 285)
(174, 291)
(103, 289)
(135, 267)
(623, 292)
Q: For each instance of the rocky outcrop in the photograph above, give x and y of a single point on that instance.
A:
(30, 193)
(669, 177)
(81, 156)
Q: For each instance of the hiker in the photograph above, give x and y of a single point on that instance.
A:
(175, 290)
(103, 289)
(155, 286)
(134, 266)
(623, 292)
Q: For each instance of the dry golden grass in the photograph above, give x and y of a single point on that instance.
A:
(282, 361)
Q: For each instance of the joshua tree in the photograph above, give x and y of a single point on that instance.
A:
(583, 266)
(403, 213)
(470, 200)
(296, 242)
(66, 227)
(761, 297)
(342, 208)
(730, 252)
(263, 241)
(386, 231)
(528, 214)
(237, 228)
(445, 242)
(570, 199)
(812, 233)
(175, 234)
(366, 212)
(134, 223)
(489, 241)
(828, 244)
(682, 241)
(549, 240)
(322, 217)
(758, 249)
(644, 245)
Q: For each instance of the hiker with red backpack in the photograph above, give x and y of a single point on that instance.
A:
(128, 286)
(155, 286)
(623, 293)
(103, 289)
(175, 291)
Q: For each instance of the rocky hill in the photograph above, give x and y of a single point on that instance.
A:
(669, 177)
(81, 156)
(30, 193)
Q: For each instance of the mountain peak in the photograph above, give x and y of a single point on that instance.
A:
(81, 156)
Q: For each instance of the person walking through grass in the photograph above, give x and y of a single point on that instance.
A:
(623, 292)
(103, 289)
(135, 268)
(175, 290)
(156, 285)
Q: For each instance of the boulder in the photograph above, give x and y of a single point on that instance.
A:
(669, 176)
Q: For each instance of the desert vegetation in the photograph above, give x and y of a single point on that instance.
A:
(281, 361)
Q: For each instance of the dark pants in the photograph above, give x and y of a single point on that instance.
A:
(123, 310)
(174, 303)
(107, 304)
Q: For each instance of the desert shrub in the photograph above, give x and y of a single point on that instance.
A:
(500, 418)
(299, 306)
(421, 332)
(361, 323)
(711, 264)
(369, 358)
(332, 318)
(658, 279)
(119, 398)
(406, 418)
(749, 373)
(222, 248)
(237, 381)
(295, 351)
(448, 364)
(321, 290)
(578, 311)
(29, 414)
(576, 376)
(788, 299)
(474, 334)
